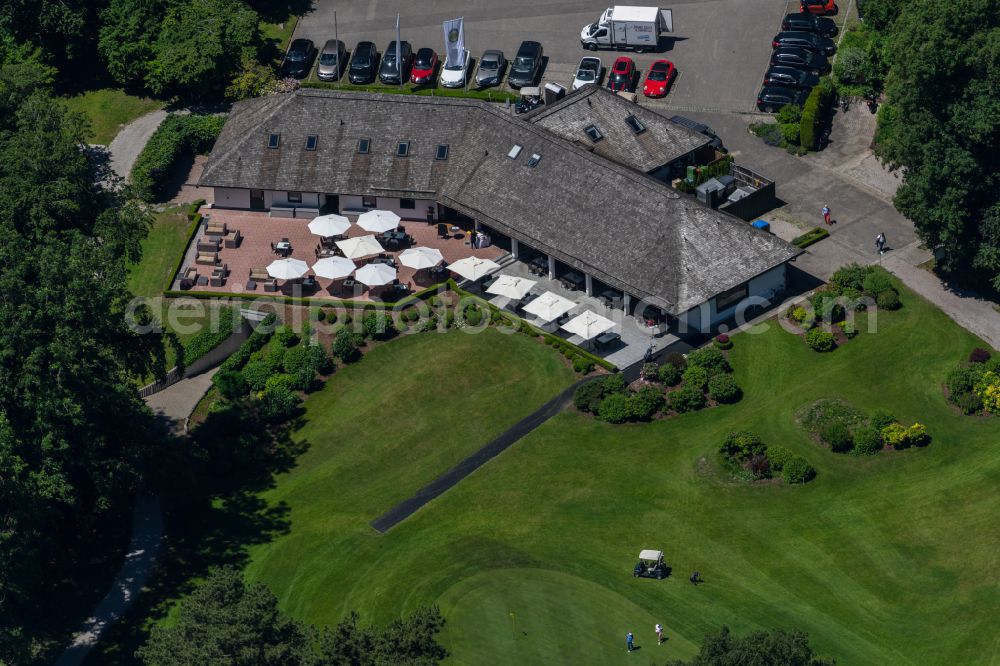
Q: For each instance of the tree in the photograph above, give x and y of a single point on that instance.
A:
(253, 79)
(199, 47)
(226, 621)
(60, 28)
(129, 29)
(777, 646)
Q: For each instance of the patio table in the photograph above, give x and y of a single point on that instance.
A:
(573, 279)
(607, 338)
(283, 246)
(610, 296)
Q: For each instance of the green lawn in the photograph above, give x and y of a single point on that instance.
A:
(160, 251)
(108, 109)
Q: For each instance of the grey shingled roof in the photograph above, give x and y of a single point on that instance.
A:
(609, 220)
(663, 141)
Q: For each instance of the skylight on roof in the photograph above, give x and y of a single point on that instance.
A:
(403, 149)
(514, 152)
(273, 140)
(442, 152)
(363, 146)
(635, 124)
(594, 133)
(534, 159)
(311, 141)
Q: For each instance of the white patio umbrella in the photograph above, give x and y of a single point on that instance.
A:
(473, 268)
(588, 325)
(329, 225)
(420, 257)
(375, 274)
(511, 286)
(549, 306)
(378, 221)
(287, 269)
(333, 267)
(361, 246)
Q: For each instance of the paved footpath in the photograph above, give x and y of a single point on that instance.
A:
(176, 402)
(130, 141)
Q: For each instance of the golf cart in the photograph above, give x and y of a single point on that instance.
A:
(651, 565)
(531, 98)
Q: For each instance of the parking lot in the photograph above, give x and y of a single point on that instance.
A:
(720, 47)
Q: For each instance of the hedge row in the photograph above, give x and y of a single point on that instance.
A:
(814, 114)
(814, 235)
(177, 136)
(208, 339)
(257, 340)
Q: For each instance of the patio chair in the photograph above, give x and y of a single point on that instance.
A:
(233, 239)
(271, 285)
(209, 258)
(217, 280)
(208, 245)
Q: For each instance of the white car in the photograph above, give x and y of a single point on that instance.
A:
(455, 75)
(588, 72)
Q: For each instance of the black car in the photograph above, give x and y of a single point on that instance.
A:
(790, 77)
(701, 128)
(791, 56)
(389, 73)
(298, 60)
(771, 99)
(527, 65)
(804, 40)
(809, 23)
(364, 64)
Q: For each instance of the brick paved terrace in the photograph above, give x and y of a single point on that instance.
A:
(259, 231)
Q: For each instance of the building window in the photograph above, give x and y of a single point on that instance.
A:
(294, 197)
(369, 202)
(363, 146)
(273, 140)
(408, 204)
(731, 297)
(311, 141)
(534, 160)
(442, 152)
(403, 149)
(635, 124)
(594, 133)
(514, 152)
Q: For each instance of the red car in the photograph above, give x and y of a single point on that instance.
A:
(623, 75)
(820, 7)
(423, 66)
(658, 78)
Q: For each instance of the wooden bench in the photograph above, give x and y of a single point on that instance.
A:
(233, 238)
(216, 229)
(211, 258)
(208, 245)
(259, 275)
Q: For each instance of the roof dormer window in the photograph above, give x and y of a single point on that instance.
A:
(311, 142)
(273, 140)
(403, 149)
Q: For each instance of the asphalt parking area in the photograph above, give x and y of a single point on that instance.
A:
(720, 47)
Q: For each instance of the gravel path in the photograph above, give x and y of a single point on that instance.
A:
(125, 147)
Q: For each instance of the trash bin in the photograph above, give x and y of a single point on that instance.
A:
(763, 225)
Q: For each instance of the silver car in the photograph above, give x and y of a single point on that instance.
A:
(491, 67)
(332, 60)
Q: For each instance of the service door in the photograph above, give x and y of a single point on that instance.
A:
(256, 199)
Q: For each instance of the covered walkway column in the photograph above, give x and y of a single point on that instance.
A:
(588, 284)
(514, 248)
(552, 267)
(627, 303)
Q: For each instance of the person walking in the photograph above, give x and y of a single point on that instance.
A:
(826, 215)
(629, 642)
(659, 634)
(880, 243)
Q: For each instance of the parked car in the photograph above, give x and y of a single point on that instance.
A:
(820, 7)
(298, 60)
(661, 73)
(491, 67)
(809, 23)
(588, 72)
(623, 75)
(790, 77)
(792, 56)
(332, 60)
(424, 64)
(455, 75)
(701, 128)
(804, 40)
(392, 72)
(772, 98)
(364, 64)
(527, 65)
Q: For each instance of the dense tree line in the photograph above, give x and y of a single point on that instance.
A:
(940, 124)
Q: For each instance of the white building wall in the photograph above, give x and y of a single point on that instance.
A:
(280, 198)
(764, 286)
(231, 197)
(419, 212)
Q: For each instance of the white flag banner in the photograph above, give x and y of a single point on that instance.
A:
(454, 41)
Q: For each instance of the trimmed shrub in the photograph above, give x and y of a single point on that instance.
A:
(713, 360)
(614, 408)
(758, 466)
(722, 341)
(888, 300)
(790, 113)
(963, 379)
(987, 389)
(820, 340)
(321, 315)
(894, 435)
(837, 437)
(993, 365)
(790, 131)
(278, 404)
(295, 359)
(979, 355)
(669, 374)
(969, 403)
(916, 435)
(723, 388)
(849, 329)
(280, 381)
(696, 377)
(742, 445)
(208, 339)
(583, 365)
(177, 136)
(644, 403)
(850, 277)
(875, 282)
(814, 235)
(319, 360)
(826, 307)
(587, 397)
(880, 419)
(231, 384)
(344, 346)
(256, 341)
(649, 372)
(677, 360)
(779, 455)
(256, 373)
(797, 470)
(285, 336)
(473, 315)
(276, 358)
(867, 441)
(615, 384)
(686, 399)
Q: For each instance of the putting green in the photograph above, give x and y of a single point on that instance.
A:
(550, 617)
